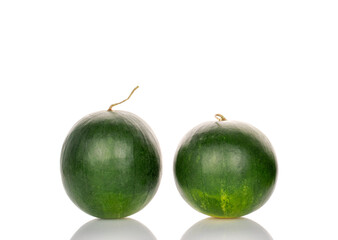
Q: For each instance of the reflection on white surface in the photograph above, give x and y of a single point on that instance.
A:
(229, 229)
(121, 229)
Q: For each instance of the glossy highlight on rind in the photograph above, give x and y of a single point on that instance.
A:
(111, 164)
(225, 169)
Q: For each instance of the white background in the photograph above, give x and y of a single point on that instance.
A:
(273, 64)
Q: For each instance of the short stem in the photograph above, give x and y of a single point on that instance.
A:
(220, 117)
(111, 106)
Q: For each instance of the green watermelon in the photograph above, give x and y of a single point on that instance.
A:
(111, 164)
(225, 169)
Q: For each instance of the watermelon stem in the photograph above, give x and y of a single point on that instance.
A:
(220, 117)
(110, 108)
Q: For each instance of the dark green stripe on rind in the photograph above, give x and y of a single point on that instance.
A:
(225, 169)
(110, 164)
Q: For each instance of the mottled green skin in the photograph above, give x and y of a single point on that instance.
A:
(225, 169)
(110, 164)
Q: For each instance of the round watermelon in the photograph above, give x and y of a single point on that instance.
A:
(111, 164)
(225, 169)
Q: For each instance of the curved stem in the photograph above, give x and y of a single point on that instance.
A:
(111, 106)
(220, 117)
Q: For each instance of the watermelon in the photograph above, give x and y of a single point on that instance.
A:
(225, 169)
(111, 164)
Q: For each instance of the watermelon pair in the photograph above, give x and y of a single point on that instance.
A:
(111, 166)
